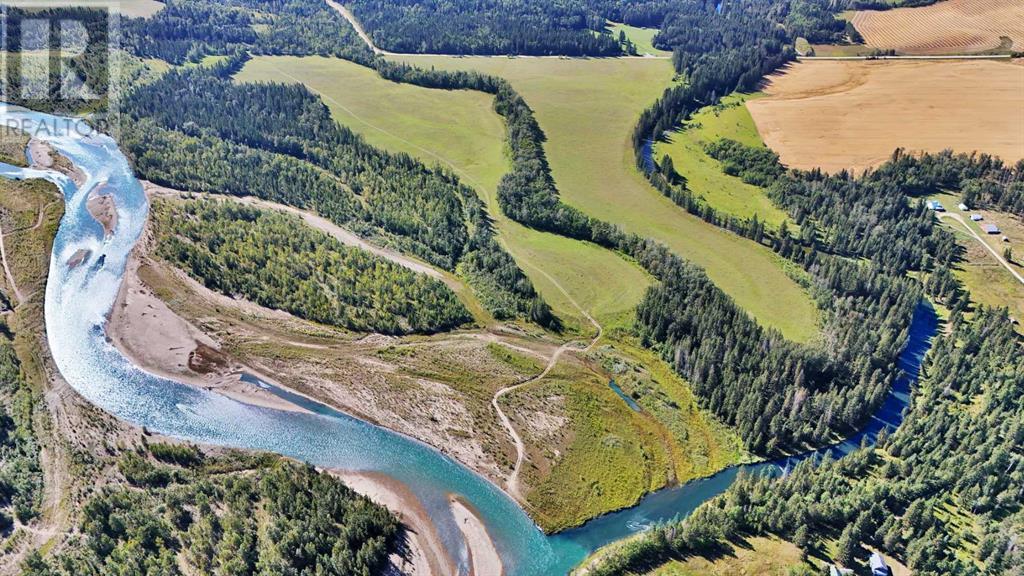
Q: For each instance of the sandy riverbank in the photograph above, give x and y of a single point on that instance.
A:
(41, 156)
(104, 210)
(425, 554)
(159, 341)
(483, 556)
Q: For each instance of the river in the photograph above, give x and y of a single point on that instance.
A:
(79, 298)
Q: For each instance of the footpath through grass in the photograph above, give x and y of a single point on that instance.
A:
(460, 130)
(587, 108)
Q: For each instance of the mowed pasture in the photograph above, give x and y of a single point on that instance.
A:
(461, 131)
(853, 114)
(947, 27)
(588, 108)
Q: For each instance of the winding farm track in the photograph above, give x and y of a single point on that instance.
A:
(988, 247)
(513, 478)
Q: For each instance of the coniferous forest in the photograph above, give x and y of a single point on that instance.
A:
(957, 450)
(230, 514)
(21, 476)
(528, 27)
(864, 246)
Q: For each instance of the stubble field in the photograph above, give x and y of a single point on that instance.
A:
(853, 114)
(948, 27)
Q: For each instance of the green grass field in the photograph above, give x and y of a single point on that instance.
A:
(460, 129)
(641, 37)
(588, 108)
(760, 556)
(704, 175)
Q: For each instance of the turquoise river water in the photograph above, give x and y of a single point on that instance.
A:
(77, 303)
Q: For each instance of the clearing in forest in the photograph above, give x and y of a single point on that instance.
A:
(704, 175)
(986, 279)
(588, 108)
(948, 27)
(459, 129)
(642, 38)
(853, 114)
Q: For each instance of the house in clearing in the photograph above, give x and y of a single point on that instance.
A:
(977, 217)
(936, 206)
(990, 228)
(963, 207)
(878, 565)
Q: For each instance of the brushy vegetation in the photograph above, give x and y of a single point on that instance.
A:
(700, 445)
(21, 476)
(276, 261)
(224, 515)
(608, 455)
(12, 147)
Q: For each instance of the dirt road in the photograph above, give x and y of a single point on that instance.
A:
(995, 254)
(513, 479)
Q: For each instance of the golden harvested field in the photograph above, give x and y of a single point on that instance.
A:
(853, 114)
(951, 26)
